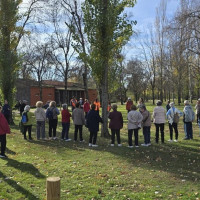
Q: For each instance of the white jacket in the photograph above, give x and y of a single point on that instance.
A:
(134, 119)
(159, 115)
(40, 114)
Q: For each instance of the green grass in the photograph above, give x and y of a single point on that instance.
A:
(170, 171)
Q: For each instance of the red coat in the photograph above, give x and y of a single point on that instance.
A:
(86, 107)
(66, 116)
(116, 120)
(4, 127)
(128, 105)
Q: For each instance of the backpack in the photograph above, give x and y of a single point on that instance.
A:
(50, 113)
(176, 118)
(24, 117)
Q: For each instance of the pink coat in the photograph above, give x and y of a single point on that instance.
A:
(4, 127)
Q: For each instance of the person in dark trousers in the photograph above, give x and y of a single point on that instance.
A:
(28, 124)
(146, 124)
(6, 111)
(52, 115)
(159, 120)
(116, 123)
(22, 106)
(188, 118)
(4, 129)
(65, 123)
(134, 124)
(168, 105)
(93, 120)
(79, 120)
(173, 115)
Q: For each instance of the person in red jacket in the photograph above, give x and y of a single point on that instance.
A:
(65, 123)
(86, 107)
(129, 103)
(4, 129)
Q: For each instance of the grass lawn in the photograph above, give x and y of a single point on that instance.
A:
(169, 171)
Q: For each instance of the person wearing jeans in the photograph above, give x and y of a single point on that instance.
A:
(116, 123)
(134, 124)
(79, 120)
(146, 124)
(52, 115)
(40, 119)
(159, 120)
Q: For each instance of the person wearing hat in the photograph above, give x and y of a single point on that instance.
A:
(159, 120)
(188, 118)
(116, 123)
(173, 115)
(129, 103)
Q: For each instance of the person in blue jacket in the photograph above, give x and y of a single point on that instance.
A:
(92, 123)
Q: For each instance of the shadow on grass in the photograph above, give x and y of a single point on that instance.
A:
(25, 167)
(18, 188)
(9, 151)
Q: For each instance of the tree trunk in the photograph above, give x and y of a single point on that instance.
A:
(85, 82)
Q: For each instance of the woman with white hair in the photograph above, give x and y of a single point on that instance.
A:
(173, 115)
(159, 120)
(27, 122)
(188, 118)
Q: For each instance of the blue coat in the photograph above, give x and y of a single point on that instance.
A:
(93, 120)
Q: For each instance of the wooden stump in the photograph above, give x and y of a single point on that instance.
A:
(53, 188)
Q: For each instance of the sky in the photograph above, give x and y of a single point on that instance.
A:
(144, 12)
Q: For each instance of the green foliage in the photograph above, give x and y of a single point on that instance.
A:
(8, 40)
(108, 30)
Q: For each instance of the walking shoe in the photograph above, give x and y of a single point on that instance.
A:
(186, 138)
(149, 144)
(82, 140)
(137, 146)
(175, 140)
(144, 145)
(54, 138)
(3, 156)
(94, 145)
(90, 144)
(119, 145)
(112, 145)
(170, 140)
(130, 146)
(67, 140)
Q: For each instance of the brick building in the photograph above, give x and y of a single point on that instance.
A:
(51, 91)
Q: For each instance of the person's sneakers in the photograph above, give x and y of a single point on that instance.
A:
(82, 140)
(67, 140)
(170, 140)
(130, 146)
(112, 145)
(175, 140)
(54, 138)
(119, 145)
(90, 144)
(3, 156)
(137, 146)
(186, 138)
(144, 145)
(149, 144)
(94, 145)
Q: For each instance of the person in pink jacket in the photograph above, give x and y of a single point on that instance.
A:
(4, 129)
(159, 120)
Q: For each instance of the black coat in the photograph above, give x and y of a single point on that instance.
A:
(93, 120)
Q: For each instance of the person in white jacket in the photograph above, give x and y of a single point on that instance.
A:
(159, 120)
(134, 124)
(40, 119)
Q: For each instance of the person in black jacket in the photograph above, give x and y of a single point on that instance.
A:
(6, 111)
(93, 120)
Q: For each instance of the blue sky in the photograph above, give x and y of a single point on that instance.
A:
(144, 12)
